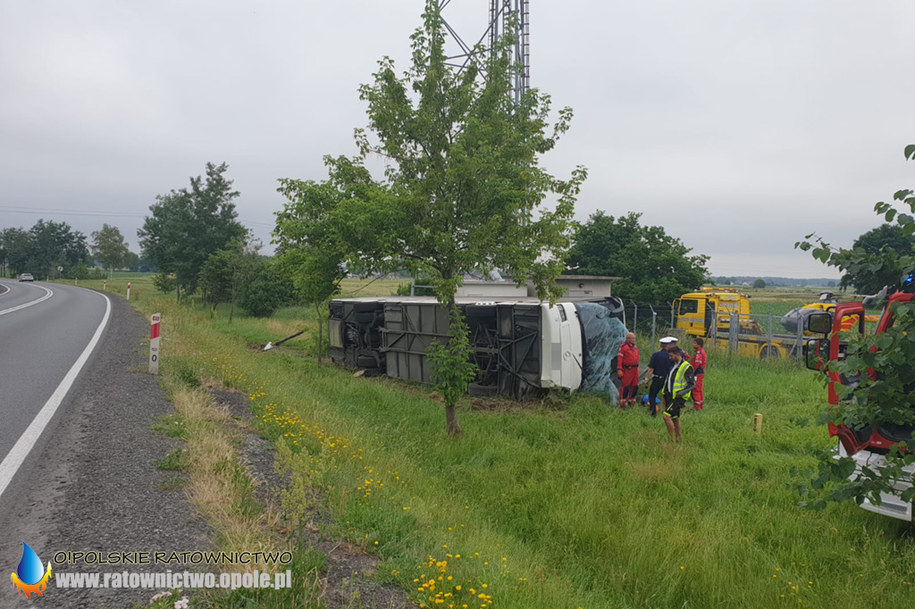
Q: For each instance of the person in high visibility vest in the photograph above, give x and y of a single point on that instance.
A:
(698, 361)
(627, 363)
(677, 389)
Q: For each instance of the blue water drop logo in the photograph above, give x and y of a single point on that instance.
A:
(30, 570)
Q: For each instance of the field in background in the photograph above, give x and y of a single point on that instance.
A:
(565, 503)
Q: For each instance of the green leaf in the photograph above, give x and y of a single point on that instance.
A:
(845, 467)
(910, 152)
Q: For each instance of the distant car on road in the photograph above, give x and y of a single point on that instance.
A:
(26, 277)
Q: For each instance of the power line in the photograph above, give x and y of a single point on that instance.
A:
(93, 213)
(69, 212)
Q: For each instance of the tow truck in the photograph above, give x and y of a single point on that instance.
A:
(867, 446)
(707, 313)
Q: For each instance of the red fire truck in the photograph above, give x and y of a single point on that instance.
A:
(867, 446)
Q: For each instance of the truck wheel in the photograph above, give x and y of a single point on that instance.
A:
(768, 353)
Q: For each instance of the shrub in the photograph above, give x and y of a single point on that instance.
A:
(266, 293)
(164, 282)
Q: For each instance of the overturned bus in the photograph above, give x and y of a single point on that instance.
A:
(521, 348)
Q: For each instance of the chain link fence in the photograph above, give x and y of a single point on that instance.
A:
(759, 335)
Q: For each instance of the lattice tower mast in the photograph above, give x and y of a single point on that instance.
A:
(506, 17)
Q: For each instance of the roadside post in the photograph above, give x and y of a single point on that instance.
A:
(154, 328)
(757, 423)
(105, 285)
(128, 290)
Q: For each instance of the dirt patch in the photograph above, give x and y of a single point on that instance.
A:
(347, 581)
(497, 405)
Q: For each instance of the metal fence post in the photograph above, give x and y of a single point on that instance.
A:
(732, 334)
(770, 329)
(635, 316)
(671, 315)
(654, 325)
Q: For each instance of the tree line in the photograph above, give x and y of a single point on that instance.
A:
(53, 249)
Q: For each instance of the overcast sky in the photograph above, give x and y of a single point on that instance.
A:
(737, 126)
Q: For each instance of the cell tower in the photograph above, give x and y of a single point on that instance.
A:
(506, 17)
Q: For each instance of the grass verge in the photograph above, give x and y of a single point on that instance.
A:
(219, 486)
(577, 506)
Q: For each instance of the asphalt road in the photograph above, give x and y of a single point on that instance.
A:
(90, 481)
(44, 328)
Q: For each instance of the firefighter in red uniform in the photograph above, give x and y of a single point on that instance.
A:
(627, 363)
(698, 362)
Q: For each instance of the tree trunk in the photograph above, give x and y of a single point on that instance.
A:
(454, 428)
(234, 294)
(178, 291)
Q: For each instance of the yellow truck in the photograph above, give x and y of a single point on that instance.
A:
(707, 313)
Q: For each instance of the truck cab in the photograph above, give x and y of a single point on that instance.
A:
(697, 312)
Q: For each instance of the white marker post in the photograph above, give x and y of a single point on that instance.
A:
(154, 342)
(128, 290)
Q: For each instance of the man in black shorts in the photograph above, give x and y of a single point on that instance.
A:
(677, 389)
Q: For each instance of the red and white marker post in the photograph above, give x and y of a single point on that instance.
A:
(128, 290)
(154, 326)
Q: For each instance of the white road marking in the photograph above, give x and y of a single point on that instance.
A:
(13, 461)
(48, 294)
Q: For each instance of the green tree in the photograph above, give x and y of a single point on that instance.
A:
(109, 248)
(309, 249)
(15, 246)
(188, 225)
(44, 247)
(759, 284)
(883, 395)
(462, 189)
(224, 275)
(651, 266)
(887, 243)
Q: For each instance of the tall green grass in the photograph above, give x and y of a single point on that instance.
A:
(568, 503)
